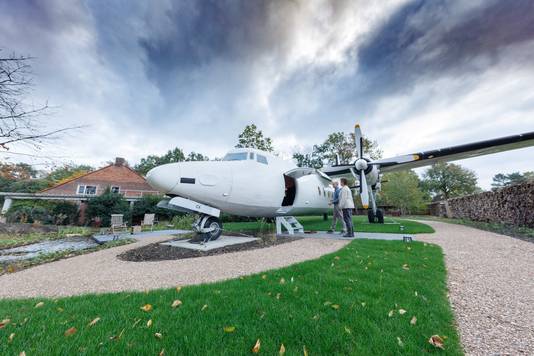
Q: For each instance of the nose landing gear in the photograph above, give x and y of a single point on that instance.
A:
(208, 227)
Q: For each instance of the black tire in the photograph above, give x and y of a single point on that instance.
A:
(380, 216)
(371, 216)
(215, 223)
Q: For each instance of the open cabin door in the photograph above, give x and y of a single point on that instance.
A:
(290, 190)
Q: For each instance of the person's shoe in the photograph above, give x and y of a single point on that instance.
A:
(346, 235)
(330, 231)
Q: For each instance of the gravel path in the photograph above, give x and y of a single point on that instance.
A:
(491, 287)
(101, 271)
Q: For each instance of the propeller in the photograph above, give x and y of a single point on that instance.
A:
(360, 166)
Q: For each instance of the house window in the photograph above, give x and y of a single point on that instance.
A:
(86, 190)
(261, 159)
(115, 189)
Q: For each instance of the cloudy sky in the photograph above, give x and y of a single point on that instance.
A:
(147, 76)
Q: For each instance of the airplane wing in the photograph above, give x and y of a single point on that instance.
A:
(454, 153)
(303, 171)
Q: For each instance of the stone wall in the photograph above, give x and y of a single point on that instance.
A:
(513, 205)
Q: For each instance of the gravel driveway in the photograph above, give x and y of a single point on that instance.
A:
(491, 288)
(102, 271)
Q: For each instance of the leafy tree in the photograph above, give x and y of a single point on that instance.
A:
(17, 171)
(505, 180)
(336, 144)
(402, 190)
(174, 155)
(193, 156)
(68, 171)
(104, 205)
(449, 180)
(253, 138)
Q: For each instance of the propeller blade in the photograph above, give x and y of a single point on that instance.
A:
(364, 192)
(358, 141)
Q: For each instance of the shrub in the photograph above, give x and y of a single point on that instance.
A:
(65, 213)
(101, 207)
(43, 211)
(183, 222)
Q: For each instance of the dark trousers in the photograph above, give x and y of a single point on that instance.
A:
(347, 218)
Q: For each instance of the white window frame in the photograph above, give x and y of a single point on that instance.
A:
(115, 186)
(84, 189)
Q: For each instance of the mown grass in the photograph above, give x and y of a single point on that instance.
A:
(318, 224)
(336, 305)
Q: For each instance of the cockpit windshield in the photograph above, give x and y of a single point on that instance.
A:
(238, 156)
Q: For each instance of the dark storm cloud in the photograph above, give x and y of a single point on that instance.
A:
(423, 39)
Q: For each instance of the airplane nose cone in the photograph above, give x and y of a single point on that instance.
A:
(164, 178)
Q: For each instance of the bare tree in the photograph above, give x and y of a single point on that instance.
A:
(20, 122)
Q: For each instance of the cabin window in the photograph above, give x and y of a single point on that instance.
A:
(115, 189)
(187, 180)
(86, 190)
(261, 159)
(238, 156)
(251, 155)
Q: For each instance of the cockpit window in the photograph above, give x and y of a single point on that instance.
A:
(238, 156)
(261, 159)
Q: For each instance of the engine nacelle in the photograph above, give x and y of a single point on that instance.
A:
(373, 177)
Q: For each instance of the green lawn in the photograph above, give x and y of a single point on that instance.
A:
(339, 304)
(392, 225)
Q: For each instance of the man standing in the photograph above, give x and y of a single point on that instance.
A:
(346, 204)
(337, 214)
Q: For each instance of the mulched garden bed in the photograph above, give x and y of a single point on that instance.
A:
(159, 252)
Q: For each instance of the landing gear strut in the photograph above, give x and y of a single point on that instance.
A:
(208, 227)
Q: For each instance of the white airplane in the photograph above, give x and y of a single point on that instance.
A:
(253, 183)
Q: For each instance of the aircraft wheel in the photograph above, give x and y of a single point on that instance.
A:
(216, 224)
(371, 216)
(380, 216)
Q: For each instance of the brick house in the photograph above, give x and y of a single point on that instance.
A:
(117, 176)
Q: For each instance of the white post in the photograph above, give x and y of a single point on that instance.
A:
(7, 204)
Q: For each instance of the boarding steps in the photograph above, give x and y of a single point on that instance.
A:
(290, 223)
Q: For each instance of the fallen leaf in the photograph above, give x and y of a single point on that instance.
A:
(117, 337)
(390, 314)
(60, 310)
(414, 320)
(38, 305)
(282, 350)
(149, 323)
(304, 351)
(415, 293)
(176, 303)
(70, 331)
(282, 281)
(158, 335)
(363, 304)
(22, 353)
(256, 347)
(337, 257)
(347, 330)
(436, 341)
(335, 306)
(405, 267)
(178, 288)
(402, 311)
(399, 341)
(229, 329)
(4, 323)
(277, 295)
(136, 322)
(146, 307)
(292, 280)
(162, 352)
(94, 321)
(11, 337)
(264, 276)
(204, 307)
(316, 317)
(327, 303)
